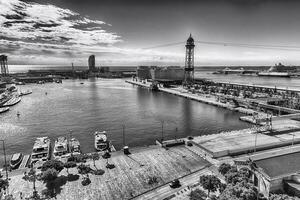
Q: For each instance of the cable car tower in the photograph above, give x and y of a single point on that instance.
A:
(189, 61)
(4, 65)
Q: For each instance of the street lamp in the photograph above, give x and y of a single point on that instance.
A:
(162, 132)
(123, 126)
(3, 144)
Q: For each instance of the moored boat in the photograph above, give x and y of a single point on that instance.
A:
(60, 148)
(16, 160)
(13, 101)
(25, 93)
(5, 109)
(101, 142)
(74, 146)
(41, 150)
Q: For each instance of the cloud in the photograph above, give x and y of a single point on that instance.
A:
(45, 28)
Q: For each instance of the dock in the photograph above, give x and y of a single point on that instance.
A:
(24, 162)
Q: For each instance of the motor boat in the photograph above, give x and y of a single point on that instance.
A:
(16, 160)
(101, 142)
(41, 150)
(61, 149)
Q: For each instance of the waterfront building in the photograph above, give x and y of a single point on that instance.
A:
(143, 72)
(275, 173)
(91, 63)
(171, 73)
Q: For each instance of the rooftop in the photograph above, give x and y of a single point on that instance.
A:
(280, 165)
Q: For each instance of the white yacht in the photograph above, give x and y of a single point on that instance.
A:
(74, 146)
(61, 149)
(41, 150)
(101, 142)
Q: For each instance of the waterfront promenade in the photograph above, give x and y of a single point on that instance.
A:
(128, 179)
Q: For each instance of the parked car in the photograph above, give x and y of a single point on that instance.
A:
(175, 183)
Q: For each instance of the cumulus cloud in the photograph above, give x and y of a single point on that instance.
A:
(33, 33)
(43, 28)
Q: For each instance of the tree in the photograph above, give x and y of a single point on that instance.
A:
(197, 194)
(3, 184)
(84, 169)
(53, 164)
(49, 175)
(281, 197)
(210, 182)
(240, 191)
(224, 168)
(31, 177)
(233, 176)
(95, 156)
(69, 164)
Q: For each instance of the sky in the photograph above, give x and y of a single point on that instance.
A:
(120, 32)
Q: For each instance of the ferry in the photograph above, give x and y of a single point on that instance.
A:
(279, 70)
(101, 142)
(13, 101)
(16, 160)
(5, 109)
(274, 74)
(74, 146)
(61, 149)
(41, 150)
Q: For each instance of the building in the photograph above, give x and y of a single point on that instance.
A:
(91, 62)
(275, 172)
(172, 73)
(143, 72)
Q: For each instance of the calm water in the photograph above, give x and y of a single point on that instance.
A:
(106, 104)
(291, 83)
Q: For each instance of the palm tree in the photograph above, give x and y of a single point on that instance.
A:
(95, 156)
(210, 182)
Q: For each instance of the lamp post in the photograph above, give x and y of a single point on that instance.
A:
(3, 145)
(162, 131)
(123, 126)
(70, 137)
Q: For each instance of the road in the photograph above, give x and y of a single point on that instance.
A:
(166, 191)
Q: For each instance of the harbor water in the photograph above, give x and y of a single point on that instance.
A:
(86, 106)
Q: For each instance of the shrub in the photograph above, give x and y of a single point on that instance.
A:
(99, 172)
(197, 194)
(49, 175)
(53, 164)
(224, 168)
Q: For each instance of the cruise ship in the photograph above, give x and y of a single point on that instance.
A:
(279, 70)
(41, 150)
(61, 149)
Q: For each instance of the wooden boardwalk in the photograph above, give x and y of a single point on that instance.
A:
(24, 162)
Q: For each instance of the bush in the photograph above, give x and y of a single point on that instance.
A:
(85, 181)
(197, 194)
(70, 164)
(99, 172)
(152, 180)
(84, 169)
(53, 164)
(224, 168)
(110, 166)
(49, 175)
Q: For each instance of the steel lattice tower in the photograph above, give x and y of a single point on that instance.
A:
(4, 65)
(189, 61)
